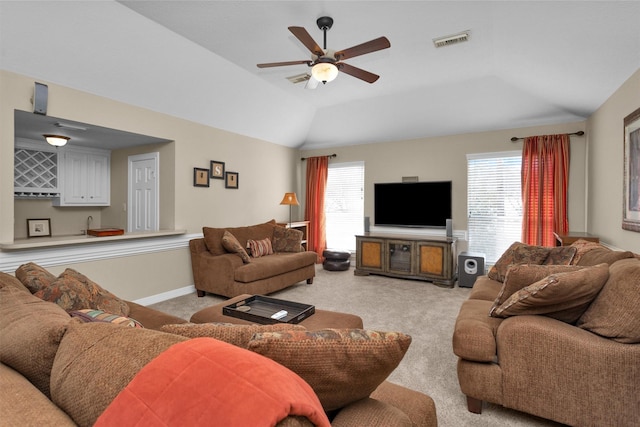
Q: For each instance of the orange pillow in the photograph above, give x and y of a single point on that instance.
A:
(235, 388)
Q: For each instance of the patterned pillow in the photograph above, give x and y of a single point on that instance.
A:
(34, 277)
(519, 276)
(287, 239)
(260, 248)
(238, 335)
(518, 253)
(231, 244)
(561, 255)
(358, 360)
(75, 291)
(563, 296)
(89, 315)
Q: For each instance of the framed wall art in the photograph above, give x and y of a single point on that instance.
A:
(631, 180)
(231, 180)
(39, 227)
(200, 177)
(217, 169)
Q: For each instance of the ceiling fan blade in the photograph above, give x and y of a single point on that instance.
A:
(306, 39)
(280, 64)
(366, 47)
(357, 72)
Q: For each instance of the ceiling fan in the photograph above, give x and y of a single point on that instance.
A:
(325, 64)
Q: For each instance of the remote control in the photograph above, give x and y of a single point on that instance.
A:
(280, 314)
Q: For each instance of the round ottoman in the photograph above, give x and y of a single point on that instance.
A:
(336, 260)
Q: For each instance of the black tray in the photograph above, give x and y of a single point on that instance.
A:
(262, 308)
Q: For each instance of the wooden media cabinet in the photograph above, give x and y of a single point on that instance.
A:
(429, 258)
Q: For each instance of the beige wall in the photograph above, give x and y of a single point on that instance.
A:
(444, 158)
(606, 150)
(266, 172)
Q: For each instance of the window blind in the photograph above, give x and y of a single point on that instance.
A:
(494, 202)
(344, 204)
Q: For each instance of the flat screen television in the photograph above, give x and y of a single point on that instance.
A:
(412, 204)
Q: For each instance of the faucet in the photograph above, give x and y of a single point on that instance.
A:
(89, 219)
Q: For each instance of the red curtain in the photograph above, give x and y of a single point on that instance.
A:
(317, 171)
(545, 177)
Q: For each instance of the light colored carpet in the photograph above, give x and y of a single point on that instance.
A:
(420, 309)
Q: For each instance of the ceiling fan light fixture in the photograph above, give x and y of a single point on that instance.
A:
(56, 140)
(324, 72)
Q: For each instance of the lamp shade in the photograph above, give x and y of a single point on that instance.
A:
(56, 140)
(324, 72)
(290, 199)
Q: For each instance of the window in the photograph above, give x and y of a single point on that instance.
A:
(494, 202)
(344, 204)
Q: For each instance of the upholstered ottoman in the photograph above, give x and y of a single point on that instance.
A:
(321, 319)
(336, 260)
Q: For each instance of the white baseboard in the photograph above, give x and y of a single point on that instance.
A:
(153, 299)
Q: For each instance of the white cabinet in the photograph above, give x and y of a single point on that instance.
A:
(85, 178)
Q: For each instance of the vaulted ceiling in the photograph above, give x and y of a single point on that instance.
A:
(526, 63)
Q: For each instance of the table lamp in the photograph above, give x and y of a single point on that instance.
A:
(290, 199)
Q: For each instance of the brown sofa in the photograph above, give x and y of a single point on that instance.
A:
(556, 341)
(220, 271)
(58, 370)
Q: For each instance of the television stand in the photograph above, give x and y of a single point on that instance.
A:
(428, 258)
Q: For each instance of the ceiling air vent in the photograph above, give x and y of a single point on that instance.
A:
(452, 39)
(299, 78)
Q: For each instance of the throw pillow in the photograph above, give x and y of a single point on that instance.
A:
(260, 248)
(30, 331)
(205, 382)
(563, 296)
(603, 254)
(517, 253)
(75, 291)
(9, 280)
(231, 244)
(238, 335)
(582, 247)
(287, 239)
(615, 313)
(341, 365)
(89, 315)
(519, 276)
(34, 277)
(561, 255)
(96, 361)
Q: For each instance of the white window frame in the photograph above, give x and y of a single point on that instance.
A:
(494, 203)
(344, 217)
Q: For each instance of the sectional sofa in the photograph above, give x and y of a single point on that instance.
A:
(72, 353)
(555, 332)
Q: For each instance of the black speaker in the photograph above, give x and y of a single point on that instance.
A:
(449, 227)
(40, 95)
(367, 224)
(470, 266)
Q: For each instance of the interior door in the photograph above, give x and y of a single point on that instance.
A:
(143, 198)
